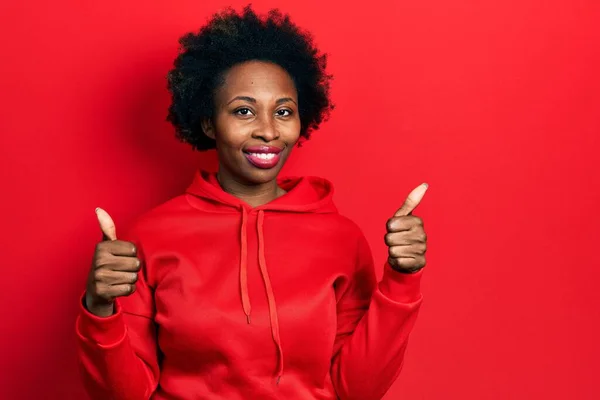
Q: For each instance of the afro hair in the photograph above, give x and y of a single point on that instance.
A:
(230, 38)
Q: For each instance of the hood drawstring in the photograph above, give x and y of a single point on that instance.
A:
(244, 266)
(262, 263)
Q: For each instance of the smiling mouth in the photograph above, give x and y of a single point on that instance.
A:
(263, 157)
(263, 160)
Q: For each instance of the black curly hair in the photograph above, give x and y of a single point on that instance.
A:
(230, 38)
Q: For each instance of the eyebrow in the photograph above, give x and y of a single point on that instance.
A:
(253, 100)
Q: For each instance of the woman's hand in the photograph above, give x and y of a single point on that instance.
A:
(406, 237)
(114, 269)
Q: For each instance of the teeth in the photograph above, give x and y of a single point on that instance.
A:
(263, 156)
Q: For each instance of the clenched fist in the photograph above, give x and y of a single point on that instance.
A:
(406, 237)
(114, 269)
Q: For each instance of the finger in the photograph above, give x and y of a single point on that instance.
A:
(107, 224)
(121, 277)
(128, 264)
(109, 277)
(409, 264)
(404, 238)
(118, 248)
(121, 290)
(412, 250)
(116, 263)
(413, 200)
(403, 223)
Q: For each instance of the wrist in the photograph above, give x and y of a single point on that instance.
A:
(401, 287)
(98, 308)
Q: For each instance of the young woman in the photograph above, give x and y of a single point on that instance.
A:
(249, 285)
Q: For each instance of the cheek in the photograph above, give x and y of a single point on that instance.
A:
(292, 131)
(230, 134)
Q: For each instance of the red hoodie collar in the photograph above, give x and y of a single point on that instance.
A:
(304, 194)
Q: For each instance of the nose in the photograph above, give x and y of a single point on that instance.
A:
(266, 129)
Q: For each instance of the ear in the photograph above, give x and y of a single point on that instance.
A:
(208, 128)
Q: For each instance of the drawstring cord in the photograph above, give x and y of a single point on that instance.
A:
(244, 266)
(262, 263)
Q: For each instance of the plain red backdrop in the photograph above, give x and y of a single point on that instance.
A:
(495, 104)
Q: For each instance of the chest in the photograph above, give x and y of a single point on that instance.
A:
(198, 293)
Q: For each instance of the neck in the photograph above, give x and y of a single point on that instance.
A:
(253, 194)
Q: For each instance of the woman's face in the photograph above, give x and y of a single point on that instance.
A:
(256, 122)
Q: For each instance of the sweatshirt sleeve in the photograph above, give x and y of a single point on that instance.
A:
(374, 323)
(118, 354)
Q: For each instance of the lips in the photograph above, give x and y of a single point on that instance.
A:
(263, 157)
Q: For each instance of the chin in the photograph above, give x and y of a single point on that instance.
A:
(259, 176)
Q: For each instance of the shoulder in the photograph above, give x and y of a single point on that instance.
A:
(348, 229)
(348, 225)
(159, 217)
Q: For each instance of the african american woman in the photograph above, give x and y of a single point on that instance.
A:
(249, 285)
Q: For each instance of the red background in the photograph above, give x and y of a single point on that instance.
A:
(495, 104)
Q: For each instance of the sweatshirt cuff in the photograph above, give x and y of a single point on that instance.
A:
(401, 287)
(105, 331)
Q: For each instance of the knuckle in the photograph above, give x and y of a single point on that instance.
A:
(102, 260)
(102, 291)
(412, 263)
(120, 290)
(398, 251)
(126, 289)
(109, 246)
(121, 263)
(390, 223)
(388, 239)
(129, 290)
(392, 251)
(123, 290)
(100, 275)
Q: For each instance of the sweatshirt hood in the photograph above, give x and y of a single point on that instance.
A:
(307, 194)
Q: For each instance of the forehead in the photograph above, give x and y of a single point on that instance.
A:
(258, 79)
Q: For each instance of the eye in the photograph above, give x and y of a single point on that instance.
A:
(283, 111)
(243, 111)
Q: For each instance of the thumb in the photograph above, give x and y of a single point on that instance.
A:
(412, 201)
(106, 224)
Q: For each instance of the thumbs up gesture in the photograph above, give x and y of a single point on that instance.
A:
(406, 238)
(114, 269)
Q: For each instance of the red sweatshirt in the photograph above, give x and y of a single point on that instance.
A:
(233, 302)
